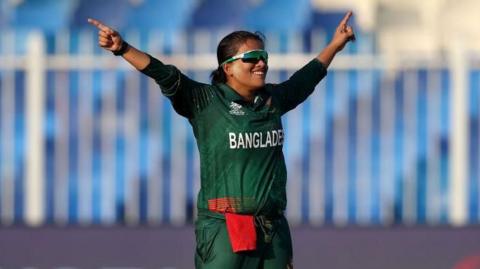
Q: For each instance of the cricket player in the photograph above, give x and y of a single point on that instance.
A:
(236, 121)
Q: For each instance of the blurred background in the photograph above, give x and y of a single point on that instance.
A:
(387, 145)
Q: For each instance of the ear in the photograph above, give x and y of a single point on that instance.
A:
(227, 68)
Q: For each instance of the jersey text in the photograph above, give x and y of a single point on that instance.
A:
(256, 140)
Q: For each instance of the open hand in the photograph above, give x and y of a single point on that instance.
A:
(108, 38)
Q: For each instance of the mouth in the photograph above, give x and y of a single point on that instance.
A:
(259, 73)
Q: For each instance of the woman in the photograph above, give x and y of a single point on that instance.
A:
(236, 122)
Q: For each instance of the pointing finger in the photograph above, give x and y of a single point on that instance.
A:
(95, 23)
(346, 18)
(100, 25)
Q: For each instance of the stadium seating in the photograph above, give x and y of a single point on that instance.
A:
(47, 15)
(279, 15)
(168, 15)
(219, 14)
(111, 12)
(327, 20)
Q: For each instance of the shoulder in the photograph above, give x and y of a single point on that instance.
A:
(270, 87)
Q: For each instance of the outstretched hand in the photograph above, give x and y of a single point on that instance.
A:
(344, 32)
(108, 38)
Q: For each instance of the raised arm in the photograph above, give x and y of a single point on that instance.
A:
(301, 84)
(343, 34)
(111, 40)
(187, 96)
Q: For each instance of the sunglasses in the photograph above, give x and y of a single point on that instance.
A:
(251, 56)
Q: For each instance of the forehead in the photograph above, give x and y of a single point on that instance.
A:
(250, 44)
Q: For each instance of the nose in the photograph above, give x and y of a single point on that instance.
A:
(261, 62)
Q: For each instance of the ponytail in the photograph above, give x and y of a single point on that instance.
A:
(218, 76)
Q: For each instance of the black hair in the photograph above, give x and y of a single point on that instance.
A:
(228, 47)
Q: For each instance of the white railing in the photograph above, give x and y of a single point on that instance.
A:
(120, 154)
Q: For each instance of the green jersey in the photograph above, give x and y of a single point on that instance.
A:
(240, 143)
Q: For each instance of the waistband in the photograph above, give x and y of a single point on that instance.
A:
(218, 215)
(263, 222)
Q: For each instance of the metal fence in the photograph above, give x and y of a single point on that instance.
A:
(85, 139)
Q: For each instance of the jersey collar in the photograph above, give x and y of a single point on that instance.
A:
(230, 93)
(259, 99)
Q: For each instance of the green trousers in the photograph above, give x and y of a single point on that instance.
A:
(213, 250)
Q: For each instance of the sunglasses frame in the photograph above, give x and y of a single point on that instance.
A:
(259, 55)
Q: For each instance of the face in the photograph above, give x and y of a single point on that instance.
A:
(246, 75)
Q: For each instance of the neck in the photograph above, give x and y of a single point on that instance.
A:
(247, 94)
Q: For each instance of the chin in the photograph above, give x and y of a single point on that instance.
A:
(258, 86)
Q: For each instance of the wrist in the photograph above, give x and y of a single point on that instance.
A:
(122, 50)
(333, 46)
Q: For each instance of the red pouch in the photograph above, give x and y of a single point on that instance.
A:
(241, 230)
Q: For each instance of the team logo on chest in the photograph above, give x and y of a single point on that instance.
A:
(236, 109)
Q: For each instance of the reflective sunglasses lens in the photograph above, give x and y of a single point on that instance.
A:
(255, 56)
(251, 60)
